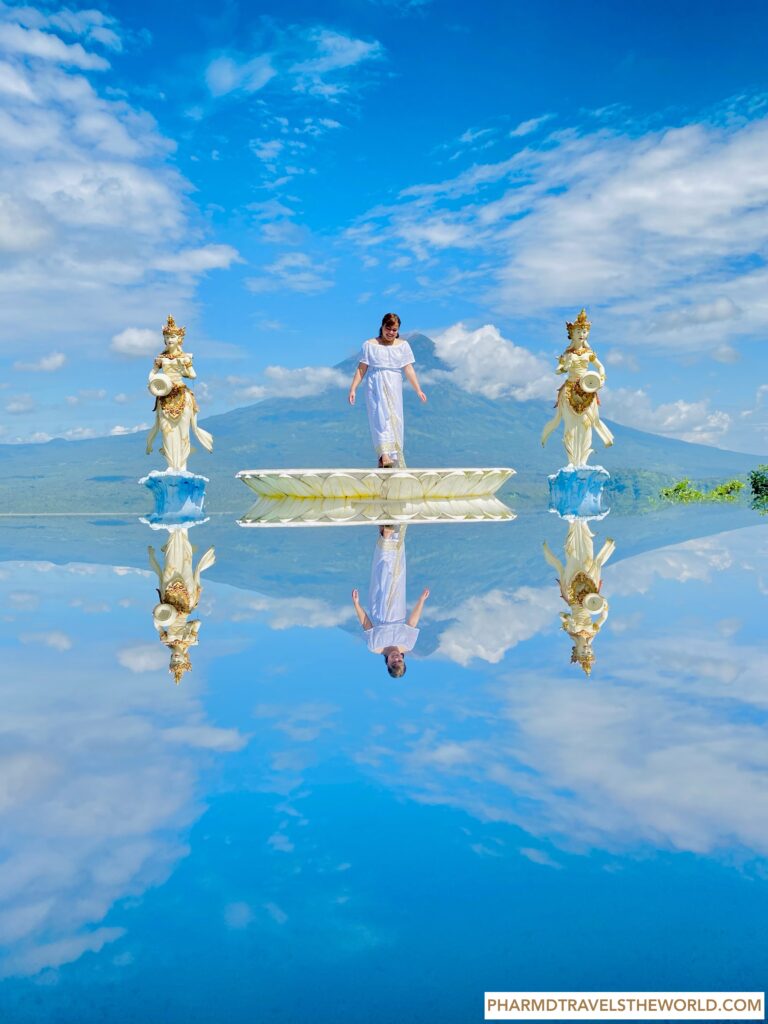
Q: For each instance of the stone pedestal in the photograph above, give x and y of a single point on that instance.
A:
(578, 492)
(179, 498)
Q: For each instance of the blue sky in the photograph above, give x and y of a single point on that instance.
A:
(279, 176)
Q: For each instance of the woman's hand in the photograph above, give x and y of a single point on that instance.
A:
(355, 597)
(421, 395)
(425, 593)
(351, 396)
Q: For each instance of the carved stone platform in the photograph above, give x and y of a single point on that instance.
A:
(348, 512)
(179, 498)
(375, 484)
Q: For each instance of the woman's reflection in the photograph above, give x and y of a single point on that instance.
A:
(387, 629)
(580, 582)
(179, 592)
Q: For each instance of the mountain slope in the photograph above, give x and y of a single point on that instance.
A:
(453, 429)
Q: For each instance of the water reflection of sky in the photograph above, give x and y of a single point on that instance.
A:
(290, 831)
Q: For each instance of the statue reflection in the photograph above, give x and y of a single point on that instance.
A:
(387, 629)
(580, 583)
(179, 592)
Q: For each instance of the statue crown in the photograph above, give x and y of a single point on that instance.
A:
(171, 328)
(581, 321)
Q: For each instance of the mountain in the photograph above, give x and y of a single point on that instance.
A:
(454, 428)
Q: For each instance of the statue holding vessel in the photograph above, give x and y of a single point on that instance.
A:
(578, 405)
(179, 494)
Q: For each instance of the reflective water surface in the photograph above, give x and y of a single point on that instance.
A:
(292, 834)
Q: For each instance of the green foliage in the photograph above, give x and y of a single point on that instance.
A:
(684, 492)
(758, 481)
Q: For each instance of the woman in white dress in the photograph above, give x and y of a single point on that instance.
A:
(384, 360)
(176, 412)
(387, 630)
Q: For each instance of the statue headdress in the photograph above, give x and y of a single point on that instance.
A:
(172, 330)
(178, 667)
(581, 321)
(584, 657)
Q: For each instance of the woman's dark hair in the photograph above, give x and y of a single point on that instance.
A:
(390, 320)
(396, 671)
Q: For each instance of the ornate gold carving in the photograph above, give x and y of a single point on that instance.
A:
(173, 402)
(176, 594)
(171, 329)
(580, 586)
(580, 321)
(578, 400)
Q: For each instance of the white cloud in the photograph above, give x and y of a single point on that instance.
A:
(294, 271)
(119, 429)
(484, 362)
(46, 364)
(196, 261)
(137, 341)
(687, 421)
(333, 52)
(529, 126)
(663, 233)
(90, 205)
(228, 74)
(45, 46)
(472, 135)
(20, 404)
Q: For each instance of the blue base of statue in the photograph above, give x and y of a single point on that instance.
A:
(578, 492)
(178, 498)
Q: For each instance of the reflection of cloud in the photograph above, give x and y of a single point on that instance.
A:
(55, 638)
(302, 723)
(539, 857)
(288, 612)
(694, 560)
(663, 747)
(144, 658)
(238, 916)
(95, 790)
(487, 627)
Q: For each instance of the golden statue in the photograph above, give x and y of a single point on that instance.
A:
(577, 401)
(179, 592)
(580, 583)
(175, 405)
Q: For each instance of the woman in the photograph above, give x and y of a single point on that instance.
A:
(176, 411)
(579, 410)
(387, 630)
(384, 360)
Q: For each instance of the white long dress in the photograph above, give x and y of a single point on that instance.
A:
(387, 596)
(384, 395)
